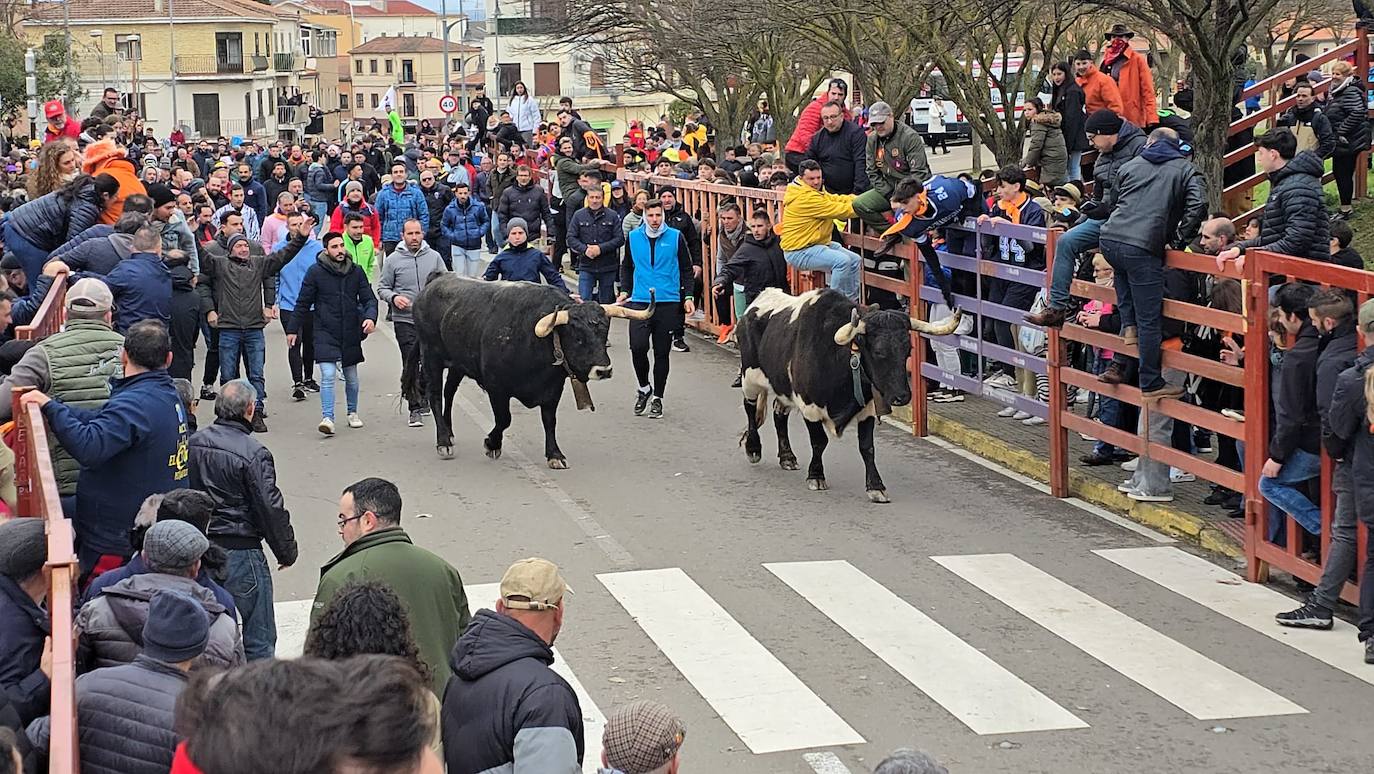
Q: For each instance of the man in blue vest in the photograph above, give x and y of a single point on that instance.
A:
(658, 268)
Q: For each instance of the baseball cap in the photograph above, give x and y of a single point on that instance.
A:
(90, 293)
(1367, 315)
(879, 112)
(532, 584)
(617, 184)
(53, 108)
(641, 737)
(173, 545)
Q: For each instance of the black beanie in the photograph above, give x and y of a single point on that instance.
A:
(23, 548)
(1103, 121)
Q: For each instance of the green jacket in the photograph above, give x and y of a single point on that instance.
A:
(894, 157)
(80, 362)
(364, 254)
(429, 587)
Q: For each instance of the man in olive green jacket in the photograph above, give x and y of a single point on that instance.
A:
(377, 548)
(894, 151)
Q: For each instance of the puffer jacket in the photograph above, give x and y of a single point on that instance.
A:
(528, 202)
(1130, 141)
(464, 225)
(223, 457)
(1348, 434)
(1346, 110)
(503, 697)
(110, 627)
(1159, 199)
(53, 218)
(319, 184)
(124, 718)
(97, 256)
(396, 207)
(341, 298)
(1294, 221)
(1046, 149)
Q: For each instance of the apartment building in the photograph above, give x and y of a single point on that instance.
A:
(415, 66)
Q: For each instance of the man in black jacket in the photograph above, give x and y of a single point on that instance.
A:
(840, 148)
(1333, 315)
(1308, 123)
(1295, 442)
(595, 238)
(241, 475)
(437, 197)
(1294, 220)
(526, 201)
(505, 708)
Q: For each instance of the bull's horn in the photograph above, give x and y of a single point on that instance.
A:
(616, 310)
(550, 321)
(851, 329)
(942, 328)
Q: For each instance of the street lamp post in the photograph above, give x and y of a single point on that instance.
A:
(172, 42)
(135, 42)
(99, 37)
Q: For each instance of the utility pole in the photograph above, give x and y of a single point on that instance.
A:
(443, 22)
(67, 58)
(172, 41)
(31, 86)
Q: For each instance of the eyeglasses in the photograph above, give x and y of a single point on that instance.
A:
(345, 519)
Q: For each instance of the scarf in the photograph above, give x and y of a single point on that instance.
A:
(735, 236)
(1115, 50)
(654, 233)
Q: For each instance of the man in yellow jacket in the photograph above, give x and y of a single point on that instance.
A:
(809, 215)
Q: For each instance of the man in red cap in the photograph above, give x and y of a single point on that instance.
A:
(60, 124)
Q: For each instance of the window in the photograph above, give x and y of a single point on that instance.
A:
(328, 44)
(126, 102)
(407, 71)
(375, 100)
(388, 67)
(129, 50)
(597, 73)
(307, 41)
(408, 105)
(229, 51)
(343, 102)
(546, 79)
(358, 100)
(456, 66)
(257, 44)
(372, 66)
(358, 66)
(261, 112)
(509, 74)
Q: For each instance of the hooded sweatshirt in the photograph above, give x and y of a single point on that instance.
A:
(405, 273)
(1160, 199)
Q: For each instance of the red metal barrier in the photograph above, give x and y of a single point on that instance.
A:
(51, 314)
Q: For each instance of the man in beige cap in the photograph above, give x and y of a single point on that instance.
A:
(642, 737)
(505, 709)
(75, 365)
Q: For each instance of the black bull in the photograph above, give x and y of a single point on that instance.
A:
(517, 340)
(833, 361)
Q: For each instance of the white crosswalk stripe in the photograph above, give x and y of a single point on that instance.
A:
(767, 706)
(1249, 604)
(974, 688)
(1183, 677)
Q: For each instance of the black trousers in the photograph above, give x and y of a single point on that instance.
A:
(405, 339)
(301, 355)
(656, 332)
(211, 374)
(1343, 168)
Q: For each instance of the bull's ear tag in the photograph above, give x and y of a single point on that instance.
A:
(854, 361)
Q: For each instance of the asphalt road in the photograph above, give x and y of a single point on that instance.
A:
(798, 631)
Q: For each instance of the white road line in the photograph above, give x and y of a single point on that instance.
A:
(1183, 677)
(970, 686)
(767, 706)
(293, 622)
(483, 595)
(825, 763)
(538, 475)
(1118, 520)
(1249, 604)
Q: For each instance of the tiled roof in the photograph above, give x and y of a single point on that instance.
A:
(103, 10)
(410, 44)
(392, 8)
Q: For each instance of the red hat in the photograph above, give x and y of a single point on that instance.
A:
(53, 108)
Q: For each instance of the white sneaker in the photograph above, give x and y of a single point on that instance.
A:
(355, 421)
(999, 380)
(1086, 437)
(1009, 411)
(1020, 415)
(326, 426)
(1130, 465)
(1126, 486)
(1181, 476)
(1033, 421)
(1141, 497)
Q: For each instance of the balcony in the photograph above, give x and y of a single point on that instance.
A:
(258, 126)
(286, 62)
(209, 64)
(293, 115)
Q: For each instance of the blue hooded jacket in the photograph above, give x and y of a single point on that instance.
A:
(465, 226)
(293, 274)
(142, 288)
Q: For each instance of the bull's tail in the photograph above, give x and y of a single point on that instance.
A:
(412, 376)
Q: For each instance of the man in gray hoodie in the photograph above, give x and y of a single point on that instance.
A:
(404, 275)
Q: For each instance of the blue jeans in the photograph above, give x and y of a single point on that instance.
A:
(839, 263)
(600, 282)
(467, 263)
(250, 581)
(1066, 250)
(1140, 301)
(1285, 491)
(1108, 409)
(1075, 165)
(494, 232)
(328, 372)
(321, 210)
(253, 346)
(30, 255)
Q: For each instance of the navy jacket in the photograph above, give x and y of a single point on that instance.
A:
(342, 299)
(134, 446)
(255, 196)
(1297, 425)
(600, 228)
(524, 264)
(464, 226)
(97, 255)
(23, 625)
(503, 696)
(142, 288)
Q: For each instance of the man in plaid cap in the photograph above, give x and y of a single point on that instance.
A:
(642, 737)
(505, 709)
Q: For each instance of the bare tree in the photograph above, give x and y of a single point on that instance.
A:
(1291, 22)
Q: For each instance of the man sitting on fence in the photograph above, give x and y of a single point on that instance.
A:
(808, 220)
(1294, 220)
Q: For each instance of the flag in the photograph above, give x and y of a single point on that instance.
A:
(388, 101)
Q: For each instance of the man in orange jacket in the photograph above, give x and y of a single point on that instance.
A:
(1100, 92)
(1131, 72)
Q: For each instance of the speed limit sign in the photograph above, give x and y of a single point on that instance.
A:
(448, 103)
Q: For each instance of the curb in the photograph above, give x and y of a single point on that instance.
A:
(1171, 521)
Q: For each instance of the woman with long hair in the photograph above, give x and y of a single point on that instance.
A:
(524, 110)
(1067, 99)
(42, 225)
(56, 166)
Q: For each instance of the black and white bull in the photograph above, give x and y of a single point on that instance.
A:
(835, 362)
(517, 340)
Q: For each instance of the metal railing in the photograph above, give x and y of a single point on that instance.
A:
(285, 62)
(293, 115)
(209, 64)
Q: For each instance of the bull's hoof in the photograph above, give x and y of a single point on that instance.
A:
(494, 454)
(558, 463)
(878, 496)
(754, 457)
(445, 452)
(790, 463)
(817, 484)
